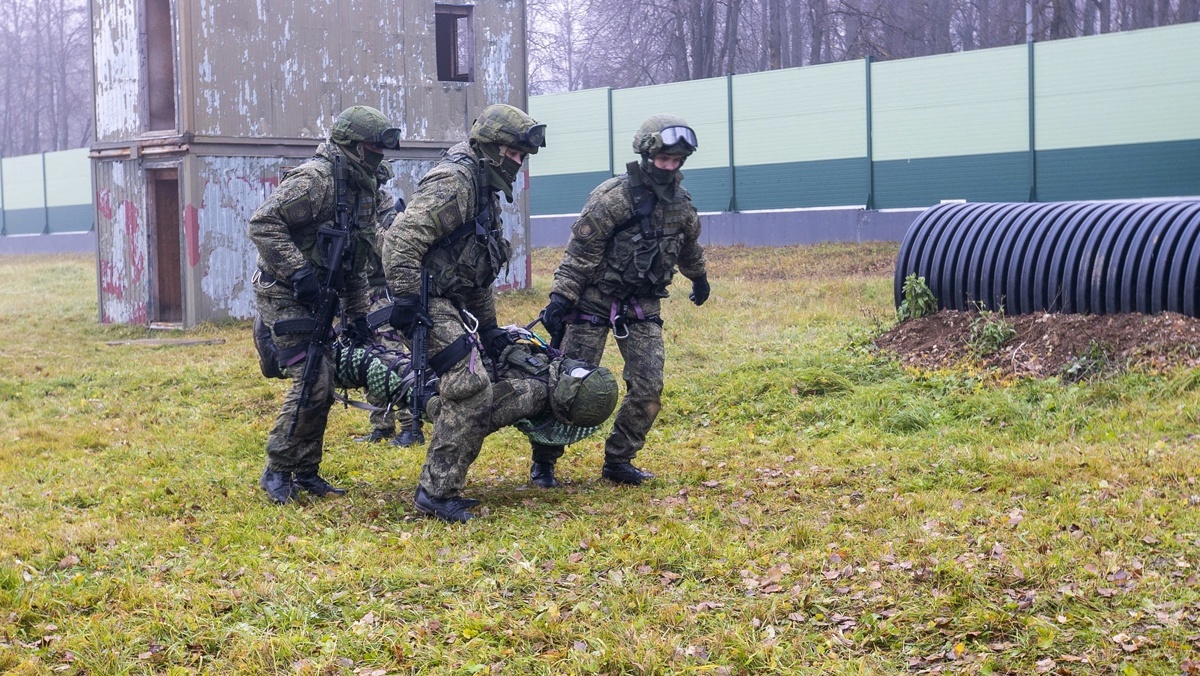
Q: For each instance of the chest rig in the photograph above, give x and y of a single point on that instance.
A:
(641, 254)
(474, 254)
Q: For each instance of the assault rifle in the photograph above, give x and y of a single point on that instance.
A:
(335, 245)
(420, 371)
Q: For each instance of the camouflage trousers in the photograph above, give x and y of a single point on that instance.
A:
(302, 450)
(387, 419)
(513, 398)
(643, 374)
(464, 418)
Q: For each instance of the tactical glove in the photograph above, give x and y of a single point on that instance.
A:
(360, 332)
(552, 316)
(407, 315)
(700, 290)
(306, 288)
(494, 340)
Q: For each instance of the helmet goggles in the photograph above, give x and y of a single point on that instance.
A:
(672, 135)
(534, 137)
(388, 138)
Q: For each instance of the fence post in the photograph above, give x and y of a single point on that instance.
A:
(1032, 130)
(611, 159)
(732, 164)
(867, 60)
(3, 220)
(45, 200)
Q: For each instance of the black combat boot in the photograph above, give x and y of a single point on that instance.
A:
(623, 472)
(376, 436)
(453, 510)
(541, 474)
(313, 483)
(278, 486)
(407, 438)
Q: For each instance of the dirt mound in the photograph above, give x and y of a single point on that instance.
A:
(1050, 344)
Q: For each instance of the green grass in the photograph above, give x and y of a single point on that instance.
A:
(819, 508)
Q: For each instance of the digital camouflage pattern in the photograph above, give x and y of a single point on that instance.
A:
(594, 273)
(502, 124)
(591, 260)
(284, 230)
(444, 200)
(643, 374)
(387, 420)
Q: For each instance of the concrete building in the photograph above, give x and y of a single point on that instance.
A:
(201, 105)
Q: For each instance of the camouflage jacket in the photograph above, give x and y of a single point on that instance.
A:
(284, 227)
(595, 271)
(443, 201)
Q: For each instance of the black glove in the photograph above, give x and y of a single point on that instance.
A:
(494, 340)
(700, 290)
(360, 332)
(407, 315)
(306, 288)
(552, 316)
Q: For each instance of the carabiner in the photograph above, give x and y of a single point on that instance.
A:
(466, 315)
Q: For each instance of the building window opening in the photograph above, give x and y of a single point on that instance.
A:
(455, 42)
(160, 66)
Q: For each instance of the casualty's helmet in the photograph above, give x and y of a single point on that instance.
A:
(664, 134)
(504, 125)
(364, 124)
(582, 394)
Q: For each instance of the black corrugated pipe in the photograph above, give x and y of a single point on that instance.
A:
(1082, 257)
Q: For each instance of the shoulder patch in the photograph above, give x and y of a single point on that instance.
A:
(297, 210)
(584, 229)
(448, 216)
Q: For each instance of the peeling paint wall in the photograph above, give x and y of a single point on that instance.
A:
(221, 198)
(284, 69)
(257, 81)
(117, 64)
(123, 242)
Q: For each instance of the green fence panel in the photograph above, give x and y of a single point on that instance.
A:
(24, 195)
(69, 191)
(800, 137)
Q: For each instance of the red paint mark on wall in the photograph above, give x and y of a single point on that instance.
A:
(191, 233)
(137, 250)
(110, 280)
(104, 204)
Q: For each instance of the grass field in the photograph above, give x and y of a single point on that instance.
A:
(819, 509)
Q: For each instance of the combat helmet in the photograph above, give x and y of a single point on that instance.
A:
(503, 125)
(364, 124)
(582, 394)
(664, 134)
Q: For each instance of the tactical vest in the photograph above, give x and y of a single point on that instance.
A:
(641, 254)
(308, 241)
(473, 255)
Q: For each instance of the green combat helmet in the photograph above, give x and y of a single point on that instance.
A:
(503, 125)
(664, 134)
(582, 394)
(358, 126)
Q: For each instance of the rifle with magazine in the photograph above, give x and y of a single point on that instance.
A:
(337, 250)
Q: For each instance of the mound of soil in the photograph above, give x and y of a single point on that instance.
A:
(1050, 344)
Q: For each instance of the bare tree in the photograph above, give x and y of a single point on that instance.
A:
(45, 76)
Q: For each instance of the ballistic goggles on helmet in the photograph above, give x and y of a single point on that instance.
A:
(534, 137)
(672, 135)
(388, 138)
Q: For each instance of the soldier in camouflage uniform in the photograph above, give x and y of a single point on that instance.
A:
(288, 286)
(623, 251)
(384, 420)
(451, 230)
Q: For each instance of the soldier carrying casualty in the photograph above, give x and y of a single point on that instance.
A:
(313, 234)
(441, 258)
(623, 251)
